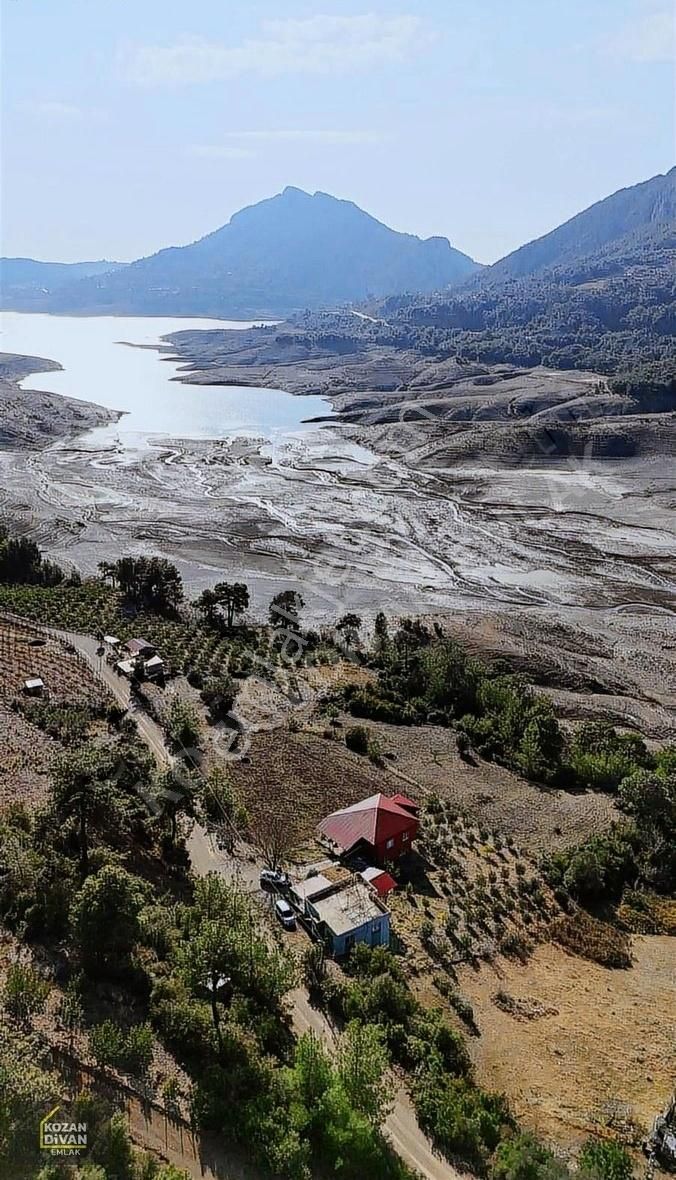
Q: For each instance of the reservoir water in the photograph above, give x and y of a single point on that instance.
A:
(100, 365)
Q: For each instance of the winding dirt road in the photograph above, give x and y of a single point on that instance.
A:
(401, 1125)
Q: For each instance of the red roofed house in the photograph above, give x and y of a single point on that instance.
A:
(379, 827)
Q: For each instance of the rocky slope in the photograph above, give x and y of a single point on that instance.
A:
(31, 419)
(398, 398)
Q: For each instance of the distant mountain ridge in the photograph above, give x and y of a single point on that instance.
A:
(641, 211)
(28, 280)
(291, 251)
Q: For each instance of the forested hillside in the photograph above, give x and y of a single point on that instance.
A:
(558, 302)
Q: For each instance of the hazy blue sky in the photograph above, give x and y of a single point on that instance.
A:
(133, 124)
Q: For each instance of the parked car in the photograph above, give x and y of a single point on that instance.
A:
(272, 879)
(285, 914)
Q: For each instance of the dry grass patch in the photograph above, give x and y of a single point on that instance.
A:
(609, 1040)
(305, 777)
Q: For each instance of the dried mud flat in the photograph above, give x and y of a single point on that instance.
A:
(570, 563)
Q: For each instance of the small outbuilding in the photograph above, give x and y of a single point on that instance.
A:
(303, 892)
(140, 647)
(378, 879)
(126, 668)
(153, 667)
(34, 686)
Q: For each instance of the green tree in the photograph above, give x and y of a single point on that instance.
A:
(207, 604)
(27, 1090)
(153, 582)
(650, 798)
(22, 563)
(349, 625)
(539, 750)
(313, 1070)
(105, 916)
(381, 633)
(175, 793)
(362, 1068)
(221, 805)
(182, 724)
(208, 960)
(219, 694)
(523, 1157)
(357, 739)
(285, 610)
(81, 790)
(234, 598)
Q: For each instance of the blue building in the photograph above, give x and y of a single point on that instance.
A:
(342, 913)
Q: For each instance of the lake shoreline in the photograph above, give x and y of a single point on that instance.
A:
(391, 527)
(33, 419)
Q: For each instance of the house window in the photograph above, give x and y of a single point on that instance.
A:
(390, 844)
(405, 837)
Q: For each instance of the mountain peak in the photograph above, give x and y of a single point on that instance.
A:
(290, 190)
(292, 251)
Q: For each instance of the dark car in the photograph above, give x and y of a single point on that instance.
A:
(273, 879)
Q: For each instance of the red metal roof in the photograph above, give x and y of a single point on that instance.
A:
(406, 803)
(374, 820)
(379, 880)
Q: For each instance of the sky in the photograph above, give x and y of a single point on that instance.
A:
(129, 125)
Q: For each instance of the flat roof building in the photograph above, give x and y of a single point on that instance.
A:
(344, 913)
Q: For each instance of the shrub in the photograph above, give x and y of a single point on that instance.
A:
(107, 1044)
(605, 1159)
(182, 724)
(598, 869)
(592, 939)
(219, 694)
(138, 1052)
(357, 739)
(25, 992)
(523, 1157)
(465, 1122)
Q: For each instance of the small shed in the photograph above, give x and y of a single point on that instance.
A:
(302, 892)
(140, 647)
(378, 879)
(34, 686)
(154, 666)
(111, 641)
(126, 667)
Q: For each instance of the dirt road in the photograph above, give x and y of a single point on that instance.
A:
(401, 1126)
